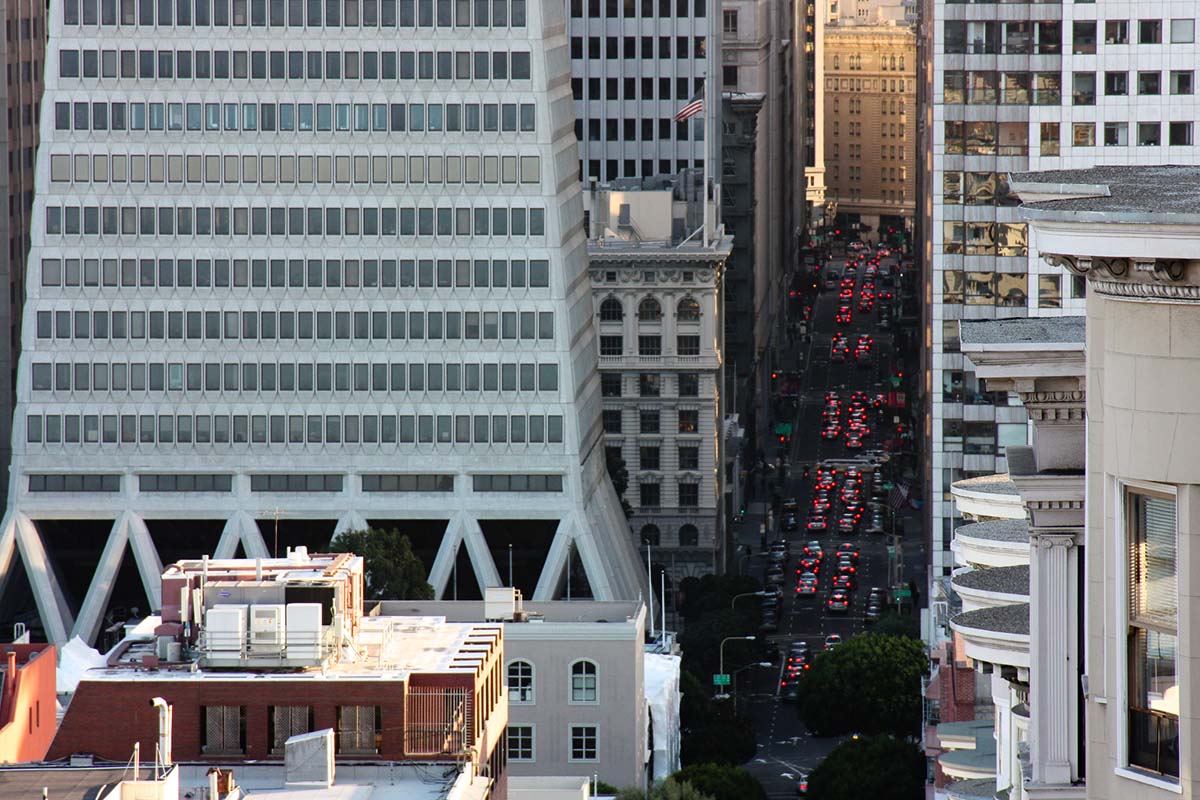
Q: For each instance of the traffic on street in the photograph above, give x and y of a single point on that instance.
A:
(822, 532)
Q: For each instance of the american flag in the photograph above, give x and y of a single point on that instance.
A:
(898, 495)
(694, 107)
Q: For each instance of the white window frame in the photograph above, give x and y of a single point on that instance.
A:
(512, 693)
(570, 747)
(532, 743)
(571, 683)
(1116, 660)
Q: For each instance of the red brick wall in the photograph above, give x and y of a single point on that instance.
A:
(105, 718)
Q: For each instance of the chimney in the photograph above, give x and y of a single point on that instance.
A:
(165, 716)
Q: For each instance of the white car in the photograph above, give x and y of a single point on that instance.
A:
(832, 641)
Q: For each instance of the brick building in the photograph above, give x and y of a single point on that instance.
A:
(237, 659)
(27, 699)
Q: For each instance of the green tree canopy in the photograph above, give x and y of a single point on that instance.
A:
(722, 781)
(393, 571)
(712, 731)
(879, 767)
(710, 593)
(670, 789)
(870, 684)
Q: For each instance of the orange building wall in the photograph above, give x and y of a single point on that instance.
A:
(27, 718)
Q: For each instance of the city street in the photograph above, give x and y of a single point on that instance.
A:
(785, 749)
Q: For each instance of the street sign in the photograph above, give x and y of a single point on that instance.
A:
(721, 679)
(783, 429)
(891, 551)
(888, 485)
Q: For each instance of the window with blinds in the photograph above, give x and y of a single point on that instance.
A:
(1153, 703)
(286, 722)
(224, 730)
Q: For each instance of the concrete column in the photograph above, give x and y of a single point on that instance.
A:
(1053, 655)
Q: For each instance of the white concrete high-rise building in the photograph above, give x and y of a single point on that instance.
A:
(1017, 88)
(321, 263)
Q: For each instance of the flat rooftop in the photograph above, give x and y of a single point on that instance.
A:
(395, 781)
(1023, 330)
(1142, 193)
(461, 611)
(388, 648)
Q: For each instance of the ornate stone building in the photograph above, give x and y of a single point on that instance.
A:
(656, 290)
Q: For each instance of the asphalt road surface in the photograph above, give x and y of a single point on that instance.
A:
(785, 749)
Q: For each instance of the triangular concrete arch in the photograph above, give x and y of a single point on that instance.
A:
(130, 530)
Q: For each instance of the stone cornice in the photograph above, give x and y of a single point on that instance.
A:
(1062, 406)
(1046, 538)
(1148, 279)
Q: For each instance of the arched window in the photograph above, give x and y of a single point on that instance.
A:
(611, 310)
(649, 310)
(901, 66)
(893, 62)
(650, 535)
(688, 310)
(583, 682)
(520, 682)
(689, 536)
(835, 62)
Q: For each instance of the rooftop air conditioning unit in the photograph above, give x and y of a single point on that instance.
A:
(225, 628)
(303, 631)
(266, 630)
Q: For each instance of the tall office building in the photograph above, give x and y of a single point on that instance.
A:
(24, 53)
(1025, 87)
(315, 265)
(634, 65)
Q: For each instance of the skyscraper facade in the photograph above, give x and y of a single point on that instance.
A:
(1026, 87)
(315, 262)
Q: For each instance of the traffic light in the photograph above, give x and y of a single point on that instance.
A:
(782, 439)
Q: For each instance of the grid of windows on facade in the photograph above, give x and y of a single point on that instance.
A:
(348, 429)
(521, 745)
(298, 13)
(584, 742)
(688, 535)
(999, 289)
(1153, 704)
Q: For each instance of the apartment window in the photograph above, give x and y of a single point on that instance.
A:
(287, 721)
(584, 742)
(689, 536)
(1116, 134)
(689, 495)
(688, 345)
(520, 683)
(1083, 134)
(1116, 31)
(1048, 139)
(689, 457)
(610, 384)
(1084, 89)
(649, 458)
(520, 742)
(1179, 134)
(1116, 83)
(689, 420)
(1149, 31)
(648, 420)
(224, 730)
(1149, 134)
(583, 682)
(689, 384)
(1181, 81)
(359, 730)
(612, 345)
(649, 384)
(1183, 30)
(611, 420)
(649, 310)
(648, 345)
(1152, 637)
(1049, 291)
(1149, 83)
(650, 495)
(1083, 40)
(729, 21)
(688, 310)
(729, 76)
(611, 310)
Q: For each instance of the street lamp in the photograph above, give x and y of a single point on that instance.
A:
(743, 669)
(722, 653)
(737, 597)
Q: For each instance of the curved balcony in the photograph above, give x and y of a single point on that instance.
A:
(974, 789)
(998, 635)
(995, 543)
(988, 497)
(970, 750)
(989, 588)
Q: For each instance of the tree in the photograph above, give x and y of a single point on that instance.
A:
(722, 781)
(870, 684)
(701, 640)
(670, 789)
(879, 767)
(618, 473)
(719, 736)
(895, 624)
(393, 571)
(711, 593)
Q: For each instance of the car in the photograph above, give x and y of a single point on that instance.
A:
(831, 431)
(846, 567)
(813, 548)
(843, 316)
(847, 524)
(809, 564)
(872, 614)
(789, 522)
(820, 503)
(854, 442)
(863, 358)
(846, 582)
(834, 396)
(817, 522)
(839, 601)
(838, 355)
(877, 595)
(782, 546)
(770, 621)
(808, 576)
(802, 785)
(832, 641)
(855, 246)
(798, 647)
(789, 688)
(791, 504)
(775, 574)
(847, 550)
(806, 589)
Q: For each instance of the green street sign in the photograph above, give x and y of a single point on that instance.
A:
(888, 485)
(783, 429)
(721, 679)
(902, 593)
